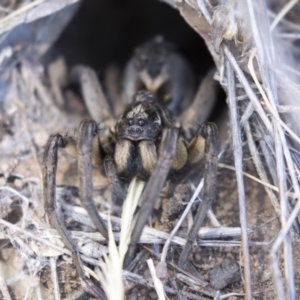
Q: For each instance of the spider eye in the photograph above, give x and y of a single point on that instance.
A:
(141, 122)
(130, 122)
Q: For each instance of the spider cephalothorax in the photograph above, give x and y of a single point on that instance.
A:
(138, 133)
(142, 120)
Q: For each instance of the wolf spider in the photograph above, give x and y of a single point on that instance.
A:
(146, 141)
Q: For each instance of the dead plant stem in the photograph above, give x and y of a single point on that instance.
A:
(238, 157)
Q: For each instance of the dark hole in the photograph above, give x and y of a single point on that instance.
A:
(107, 31)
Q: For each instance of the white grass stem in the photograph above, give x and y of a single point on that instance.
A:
(287, 243)
(54, 278)
(157, 283)
(127, 219)
(238, 160)
(283, 12)
(248, 89)
(204, 11)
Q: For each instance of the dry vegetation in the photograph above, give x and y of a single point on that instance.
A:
(251, 238)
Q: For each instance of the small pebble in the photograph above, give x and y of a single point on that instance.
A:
(143, 291)
(153, 295)
(132, 296)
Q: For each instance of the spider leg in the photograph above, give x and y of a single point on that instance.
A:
(114, 89)
(88, 130)
(56, 141)
(210, 132)
(154, 186)
(202, 106)
(118, 192)
(93, 94)
(49, 184)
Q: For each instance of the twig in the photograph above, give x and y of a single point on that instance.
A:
(149, 284)
(193, 285)
(150, 235)
(231, 295)
(238, 156)
(199, 281)
(54, 278)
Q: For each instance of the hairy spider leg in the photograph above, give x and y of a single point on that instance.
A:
(87, 149)
(154, 186)
(49, 194)
(201, 107)
(210, 132)
(94, 97)
(56, 141)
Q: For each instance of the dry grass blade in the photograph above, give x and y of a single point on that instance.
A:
(31, 12)
(281, 237)
(282, 13)
(129, 207)
(248, 89)
(112, 266)
(157, 283)
(238, 157)
(111, 270)
(288, 254)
